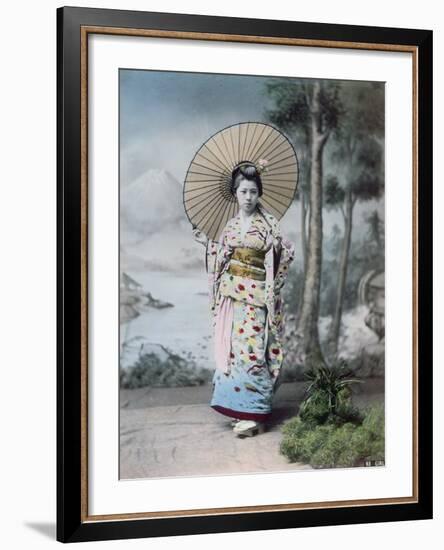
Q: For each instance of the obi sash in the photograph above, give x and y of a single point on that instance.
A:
(248, 262)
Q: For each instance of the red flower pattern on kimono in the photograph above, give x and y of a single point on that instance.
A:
(264, 234)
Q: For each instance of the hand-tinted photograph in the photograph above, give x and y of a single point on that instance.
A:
(252, 274)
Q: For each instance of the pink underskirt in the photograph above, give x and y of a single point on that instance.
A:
(222, 334)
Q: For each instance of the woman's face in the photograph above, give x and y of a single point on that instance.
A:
(247, 195)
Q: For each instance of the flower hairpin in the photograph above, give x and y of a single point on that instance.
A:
(261, 165)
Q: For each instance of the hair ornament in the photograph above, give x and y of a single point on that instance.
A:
(261, 165)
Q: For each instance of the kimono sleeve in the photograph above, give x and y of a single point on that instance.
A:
(283, 255)
(286, 257)
(218, 255)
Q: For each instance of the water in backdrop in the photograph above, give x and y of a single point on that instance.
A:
(184, 329)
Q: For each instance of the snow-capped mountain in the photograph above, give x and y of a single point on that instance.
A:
(154, 230)
(149, 204)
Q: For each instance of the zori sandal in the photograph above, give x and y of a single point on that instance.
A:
(248, 428)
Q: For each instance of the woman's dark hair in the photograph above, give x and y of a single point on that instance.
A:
(249, 171)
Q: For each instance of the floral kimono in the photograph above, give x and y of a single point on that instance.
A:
(246, 273)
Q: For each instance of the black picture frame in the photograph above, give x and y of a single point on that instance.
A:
(73, 522)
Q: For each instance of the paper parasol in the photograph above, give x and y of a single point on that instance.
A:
(207, 198)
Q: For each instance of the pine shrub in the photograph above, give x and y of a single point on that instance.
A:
(332, 445)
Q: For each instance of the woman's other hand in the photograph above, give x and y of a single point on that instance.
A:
(200, 237)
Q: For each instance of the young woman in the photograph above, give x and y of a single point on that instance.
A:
(247, 269)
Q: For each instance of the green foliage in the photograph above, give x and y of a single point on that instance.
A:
(329, 431)
(334, 194)
(373, 432)
(332, 107)
(335, 449)
(330, 445)
(375, 232)
(150, 370)
(291, 109)
(328, 396)
(292, 105)
(300, 442)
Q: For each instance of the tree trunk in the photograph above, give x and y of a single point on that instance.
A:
(303, 231)
(304, 252)
(333, 335)
(308, 320)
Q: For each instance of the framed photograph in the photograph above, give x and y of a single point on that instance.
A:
(244, 274)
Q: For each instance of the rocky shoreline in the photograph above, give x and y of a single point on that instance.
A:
(134, 302)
